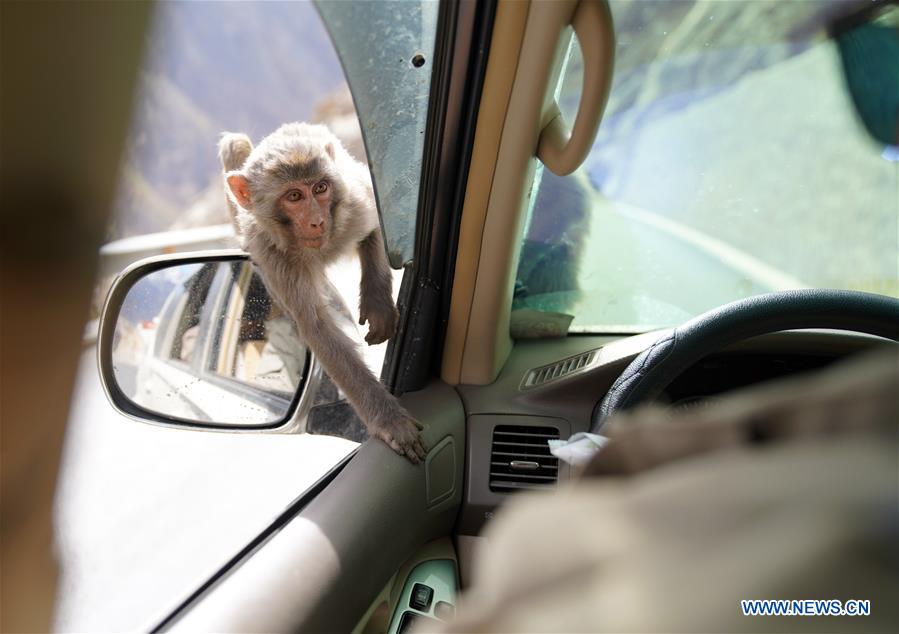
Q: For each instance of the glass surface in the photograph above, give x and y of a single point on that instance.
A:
(730, 162)
(387, 51)
(204, 343)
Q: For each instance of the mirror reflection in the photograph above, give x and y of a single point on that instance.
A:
(204, 342)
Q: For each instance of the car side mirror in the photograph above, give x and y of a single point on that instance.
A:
(195, 340)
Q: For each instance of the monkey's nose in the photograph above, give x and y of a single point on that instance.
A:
(317, 228)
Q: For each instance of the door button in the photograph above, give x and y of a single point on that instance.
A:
(421, 597)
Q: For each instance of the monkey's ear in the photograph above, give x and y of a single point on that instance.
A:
(329, 148)
(234, 148)
(240, 187)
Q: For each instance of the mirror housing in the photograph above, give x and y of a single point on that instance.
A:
(194, 341)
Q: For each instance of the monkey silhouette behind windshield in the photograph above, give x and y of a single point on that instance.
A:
(299, 201)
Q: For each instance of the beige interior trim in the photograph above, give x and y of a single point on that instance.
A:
(562, 148)
(525, 57)
(508, 31)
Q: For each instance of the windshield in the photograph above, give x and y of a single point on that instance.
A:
(730, 162)
(386, 49)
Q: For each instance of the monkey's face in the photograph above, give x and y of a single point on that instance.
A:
(305, 208)
(291, 184)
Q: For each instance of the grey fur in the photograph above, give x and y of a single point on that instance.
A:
(376, 290)
(295, 275)
(234, 148)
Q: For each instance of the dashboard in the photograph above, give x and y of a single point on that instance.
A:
(551, 387)
(721, 373)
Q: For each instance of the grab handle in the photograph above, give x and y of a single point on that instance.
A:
(563, 149)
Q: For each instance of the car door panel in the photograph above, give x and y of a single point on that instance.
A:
(386, 612)
(324, 568)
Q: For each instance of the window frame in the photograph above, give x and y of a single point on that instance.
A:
(462, 46)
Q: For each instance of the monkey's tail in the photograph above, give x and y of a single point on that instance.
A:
(234, 148)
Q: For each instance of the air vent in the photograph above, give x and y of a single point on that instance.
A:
(546, 373)
(520, 458)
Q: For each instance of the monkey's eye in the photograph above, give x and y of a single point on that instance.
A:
(294, 195)
(320, 187)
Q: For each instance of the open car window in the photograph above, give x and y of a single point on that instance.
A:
(730, 162)
(211, 67)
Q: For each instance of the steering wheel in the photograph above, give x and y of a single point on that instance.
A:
(654, 369)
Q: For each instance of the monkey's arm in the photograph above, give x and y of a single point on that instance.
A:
(376, 290)
(379, 410)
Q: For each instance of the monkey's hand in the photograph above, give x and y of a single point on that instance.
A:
(382, 317)
(401, 433)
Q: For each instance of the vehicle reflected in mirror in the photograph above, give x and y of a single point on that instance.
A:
(203, 343)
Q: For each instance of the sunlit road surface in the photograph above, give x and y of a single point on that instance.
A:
(144, 514)
(648, 270)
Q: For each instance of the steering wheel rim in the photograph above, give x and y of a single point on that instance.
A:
(654, 369)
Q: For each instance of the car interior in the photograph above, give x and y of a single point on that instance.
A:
(381, 545)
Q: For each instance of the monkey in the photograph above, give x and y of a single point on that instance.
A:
(299, 201)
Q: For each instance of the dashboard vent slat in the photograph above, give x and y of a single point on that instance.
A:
(518, 446)
(553, 371)
(520, 477)
(508, 443)
(512, 455)
(517, 486)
